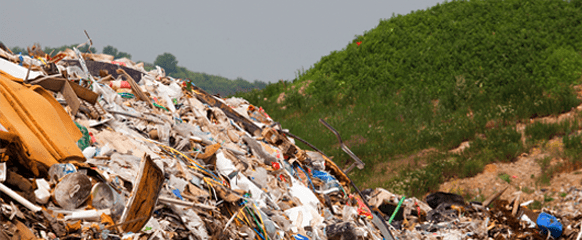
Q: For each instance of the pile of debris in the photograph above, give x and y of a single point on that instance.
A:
(448, 216)
(93, 147)
(96, 147)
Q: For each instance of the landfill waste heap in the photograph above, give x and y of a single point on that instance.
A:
(93, 147)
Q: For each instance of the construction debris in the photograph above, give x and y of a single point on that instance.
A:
(93, 147)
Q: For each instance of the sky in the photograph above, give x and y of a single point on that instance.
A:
(254, 40)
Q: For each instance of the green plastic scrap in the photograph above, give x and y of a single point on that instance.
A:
(85, 141)
(126, 95)
(396, 210)
(160, 106)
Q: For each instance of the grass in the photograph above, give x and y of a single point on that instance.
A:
(563, 195)
(539, 131)
(434, 79)
(527, 190)
(536, 205)
(505, 177)
(573, 147)
(548, 198)
(547, 172)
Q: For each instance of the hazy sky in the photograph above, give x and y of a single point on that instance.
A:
(255, 40)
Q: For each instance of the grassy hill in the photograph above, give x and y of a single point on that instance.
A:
(432, 79)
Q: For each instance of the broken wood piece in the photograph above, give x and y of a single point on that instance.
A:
(71, 98)
(493, 197)
(24, 232)
(106, 79)
(135, 88)
(55, 84)
(208, 152)
(516, 205)
(144, 195)
(185, 203)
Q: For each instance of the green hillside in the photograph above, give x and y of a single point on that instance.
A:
(431, 79)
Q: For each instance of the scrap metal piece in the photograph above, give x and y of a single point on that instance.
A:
(345, 148)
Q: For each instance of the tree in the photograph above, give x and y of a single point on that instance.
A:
(116, 54)
(17, 50)
(53, 51)
(110, 50)
(168, 62)
(56, 50)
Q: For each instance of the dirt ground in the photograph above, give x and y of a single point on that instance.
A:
(523, 175)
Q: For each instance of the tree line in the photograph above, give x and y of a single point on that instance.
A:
(210, 83)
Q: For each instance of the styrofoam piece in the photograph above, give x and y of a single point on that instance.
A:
(304, 194)
(17, 71)
(303, 216)
(530, 223)
(43, 192)
(223, 164)
(89, 152)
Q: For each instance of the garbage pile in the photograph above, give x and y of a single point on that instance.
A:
(93, 147)
(99, 148)
(448, 216)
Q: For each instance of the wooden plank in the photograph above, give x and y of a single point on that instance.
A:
(55, 84)
(135, 88)
(71, 97)
(144, 196)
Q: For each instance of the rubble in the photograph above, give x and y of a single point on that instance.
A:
(93, 147)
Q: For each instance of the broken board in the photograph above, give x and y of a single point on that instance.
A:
(144, 196)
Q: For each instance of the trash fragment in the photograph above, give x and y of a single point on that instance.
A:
(547, 222)
(72, 190)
